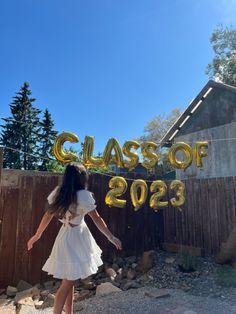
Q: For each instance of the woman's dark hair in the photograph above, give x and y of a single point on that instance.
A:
(75, 178)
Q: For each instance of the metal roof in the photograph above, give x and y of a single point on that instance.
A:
(193, 106)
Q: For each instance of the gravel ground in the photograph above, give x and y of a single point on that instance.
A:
(211, 288)
(209, 280)
(135, 301)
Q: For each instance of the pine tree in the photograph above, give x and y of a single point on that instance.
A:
(21, 132)
(47, 138)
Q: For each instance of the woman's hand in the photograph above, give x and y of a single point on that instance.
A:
(116, 242)
(32, 240)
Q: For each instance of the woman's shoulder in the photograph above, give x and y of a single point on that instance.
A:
(86, 199)
(52, 194)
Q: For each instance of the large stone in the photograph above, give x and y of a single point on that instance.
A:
(115, 266)
(48, 302)
(131, 285)
(38, 304)
(111, 273)
(88, 284)
(44, 293)
(27, 301)
(106, 288)
(49, 284)
(131, 274)
(11, 291)
(169, 260)
(23, 285)
(119, 261)
(82, 295)
(27, 293)
(146, 261)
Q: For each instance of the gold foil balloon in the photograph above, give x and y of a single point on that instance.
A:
(88, 159)
(186, 149)
(57, 148)
(134, 158)
(160, 189)
(199, 151)
(179, 186)
(119, 187)
(147, 149)
(135, 186)
(113, 144)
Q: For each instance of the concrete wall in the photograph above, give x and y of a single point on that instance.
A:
(221, 160)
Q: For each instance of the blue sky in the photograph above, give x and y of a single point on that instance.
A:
(107, 67)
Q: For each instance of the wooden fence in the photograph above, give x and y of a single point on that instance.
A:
(22, 203)
(206, 220)
(207, 217)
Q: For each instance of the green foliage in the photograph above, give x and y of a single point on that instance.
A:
(47, 137)
(155, 130)
(21, 131)
(185, 261)
(57, 166)
(223, 66)
(27, 135)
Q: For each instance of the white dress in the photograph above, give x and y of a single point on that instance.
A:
(75, 253)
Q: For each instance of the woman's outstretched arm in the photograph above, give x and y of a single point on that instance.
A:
(101, 225)
(47, 217)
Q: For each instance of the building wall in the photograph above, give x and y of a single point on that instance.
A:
(217, 109)
(221, 159)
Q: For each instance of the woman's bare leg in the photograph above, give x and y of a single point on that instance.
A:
(68, 307)
(61, 295)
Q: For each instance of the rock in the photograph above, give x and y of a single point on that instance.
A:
(44, 293)
(27, 293)
(38, 304)
(111, 273)
(3, 296)
(134, 265)
(124, 271)
(115, 266)
(119, 271)
(131, 274)
(48, 284)
(11, 291)
(157, 293)
(131, 284)
(27, 301)
(3, 302)
(88, 284)
(84, 294)
(131, 259)
(119, 261)
(2, 291)
(189, 312)
(23, 285)
(146, 261)
(48, 302)
(118, 278)
(170, 260)
(106, 288)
